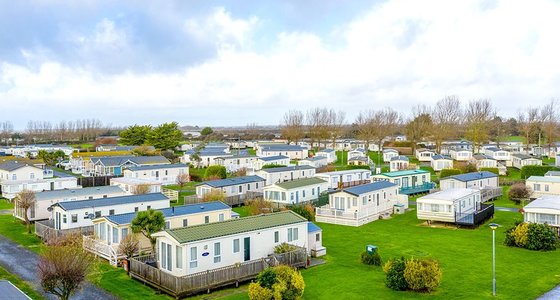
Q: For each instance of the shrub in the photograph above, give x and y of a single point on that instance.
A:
(519, 191)
(371, 259)
(214, 195)
(219, 171)
(491, 170)
(422, 275)
(394, 270)
(270, 166)
(468, 168)
(449, 172)
(240, 172)
(257, 292)
(267, 278)
(285, 283)
(528, 171)
(306, 210)
(284, 248)
(541, 237)
(510, 240)
(258, 206)
(520, 235)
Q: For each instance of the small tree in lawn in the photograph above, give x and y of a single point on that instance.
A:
(148, 222)
(142, 189)
(25, 200)
(519, 191)
(63, 267)
(181, 180)
(129, 245)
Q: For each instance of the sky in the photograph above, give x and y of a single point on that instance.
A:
(231, 63)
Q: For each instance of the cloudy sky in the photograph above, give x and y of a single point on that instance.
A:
(237, 62)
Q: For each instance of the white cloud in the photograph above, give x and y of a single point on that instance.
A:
(397, 54)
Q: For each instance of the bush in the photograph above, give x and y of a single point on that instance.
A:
(520, 235)
(270, 166)
(394, 270)
(541, 237)
(259, 206)
(219, 171)
(528, 171)
(257, 292)
(284, 248)
(240, 172)
(422, 275)
(286, 283)
(371, 259)
(468, 168)
(214, 195)
(519, 191)
(449, 172)
(267, 278)
(491, 170)
(352, 167)
(306, 210)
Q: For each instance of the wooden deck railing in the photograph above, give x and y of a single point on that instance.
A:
(211, 279)
(230, 200)
(173, 195)
(46, 231)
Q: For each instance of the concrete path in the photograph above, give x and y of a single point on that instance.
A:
(510, 209)
(23, 263)
(553, 294)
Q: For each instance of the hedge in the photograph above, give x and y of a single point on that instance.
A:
(449, 172)
(528, 171)
(491, 170)
(270, 166)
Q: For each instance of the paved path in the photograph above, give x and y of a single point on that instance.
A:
(62, 174)
(553, 294)
(510, 209)
(22, 263)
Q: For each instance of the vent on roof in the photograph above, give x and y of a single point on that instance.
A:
(201, 207)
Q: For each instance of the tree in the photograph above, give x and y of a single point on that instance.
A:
(148, 222)
(214, 195)
(497, 130)
(292, 127)
(206, 131)
(24, 201)
(6, 131)
(165, 136)
(280, 282)
(549, 121)
(135, 135)
(219, 171)
(336, 122)
(317, 120)
(181, 180)
(63, 267)
(446, 117)
(478, 115)
(519, 191)
(419, 126)
(129, 245)
(144, 150)
(258, 206)
(142, 189)
(529, 124)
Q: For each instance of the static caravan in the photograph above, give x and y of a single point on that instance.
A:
(164, 174)
(291, 151)
(461, 154)
(440, 162)
(279, 160)
(236, 162)
(75, 214)
(399, 163)
(478, 180)
(232, 186)
(543, 185)
(484, 161)
(315, 161)
(388, 154)
(330, 154)
(346, 178)
(295, 191)
(520, 160)
(282, 174)
(409, 181)
(499, 155)
(189, 250)
(443, 206)
(543, 210)
(361, 204)
(424, 155)
(315, 240)
(46, 199)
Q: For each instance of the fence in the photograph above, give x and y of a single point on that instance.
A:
(95, 181)
(141, 268)
(173, 195)
(46, 231)
(236, 200)
(485, 212)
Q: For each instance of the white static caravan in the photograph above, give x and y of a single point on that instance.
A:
(232, 186)
(478, 180)
(361, 204)
(461, 154)
(195, 249)
(543, 210)
(131, 184)
(520, 160)
(295, 191)
(424, 155)
(442, 206)
(46, 199)
(484, 161)
(164, 174)
(315, 161)
(359, 152)
(236, 162)
(279, 160)
(75, 214)
(330, 154)
(499, 155)
(399, 163)
(282, 174)
(388, 154)
(315, 240)
(543, 185)
(346, 178)
(291, 151)
(440, 162)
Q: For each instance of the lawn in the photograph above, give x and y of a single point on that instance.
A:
(14, 229)
(341, 158)
(21, 284)
(514, 138)
(197, 172)
(465, 256)
(504, 201)
(6, 204)
(243, 211)
(512, 173)
(549, 160)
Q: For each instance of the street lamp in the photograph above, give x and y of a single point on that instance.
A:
(494, 226)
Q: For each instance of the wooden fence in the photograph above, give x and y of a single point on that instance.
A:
(95, 181)
(173, 195)
(46, 231)
(236, 200)
(211, 279)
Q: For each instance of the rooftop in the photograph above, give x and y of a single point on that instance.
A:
(482, 156)
(111, 201)
(287, 169)
(299, 183)
(281, 147)
(553, 179)
(159, 166)
(404, 173)
(231, 181)
(344, 172)
(523, 156)
(400, 157)
(548, 201)
(83, 192)
(272, 158)
(14, 165)
(472, 176)
(311, 227)
(367, 188)
(439, 156)
(450, 194)
(315, 158)
(234, 226)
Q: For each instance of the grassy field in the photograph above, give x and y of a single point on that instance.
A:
(465, 256)
(243, 211)
(188, 190)
(6, 204)
(504, 201)
(15, 230)
(514, 138)
(21, 284)
(101, 153)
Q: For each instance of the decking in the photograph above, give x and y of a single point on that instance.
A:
(212, 279)
(418, 189)
(476, 218)
(46, 231)
(236, 200)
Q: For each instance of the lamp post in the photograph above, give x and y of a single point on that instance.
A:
(494, 226)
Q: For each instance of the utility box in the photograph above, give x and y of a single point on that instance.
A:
(398, 209)
(371, 249)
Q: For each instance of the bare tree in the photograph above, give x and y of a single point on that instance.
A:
(142, 189)
(293, 126)
(181, 180)
(63, 267)
(478, 115)
(497, 130)
(6, 131)
(336, 122)
(549, 121)
(129, 245)
(446, 117)
(528, 120)
(24, 200)
(419, 126)
(317, 120)
(366, 127)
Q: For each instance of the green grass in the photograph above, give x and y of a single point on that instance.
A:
(14, 229)
(548, 160)
(82, 146)
(341, 158)
(243, 211)
(512, 173)
(24, 286)
(252, 151)
(197, 171)
(6, 204)
(514, 138)
(465, 256)
(377, 158)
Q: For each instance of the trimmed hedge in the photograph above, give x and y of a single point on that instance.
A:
(528, 171)
(371, 259)
(419, 275)
(270, 166)
(449, 172)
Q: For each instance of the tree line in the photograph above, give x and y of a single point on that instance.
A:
(477, 121)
